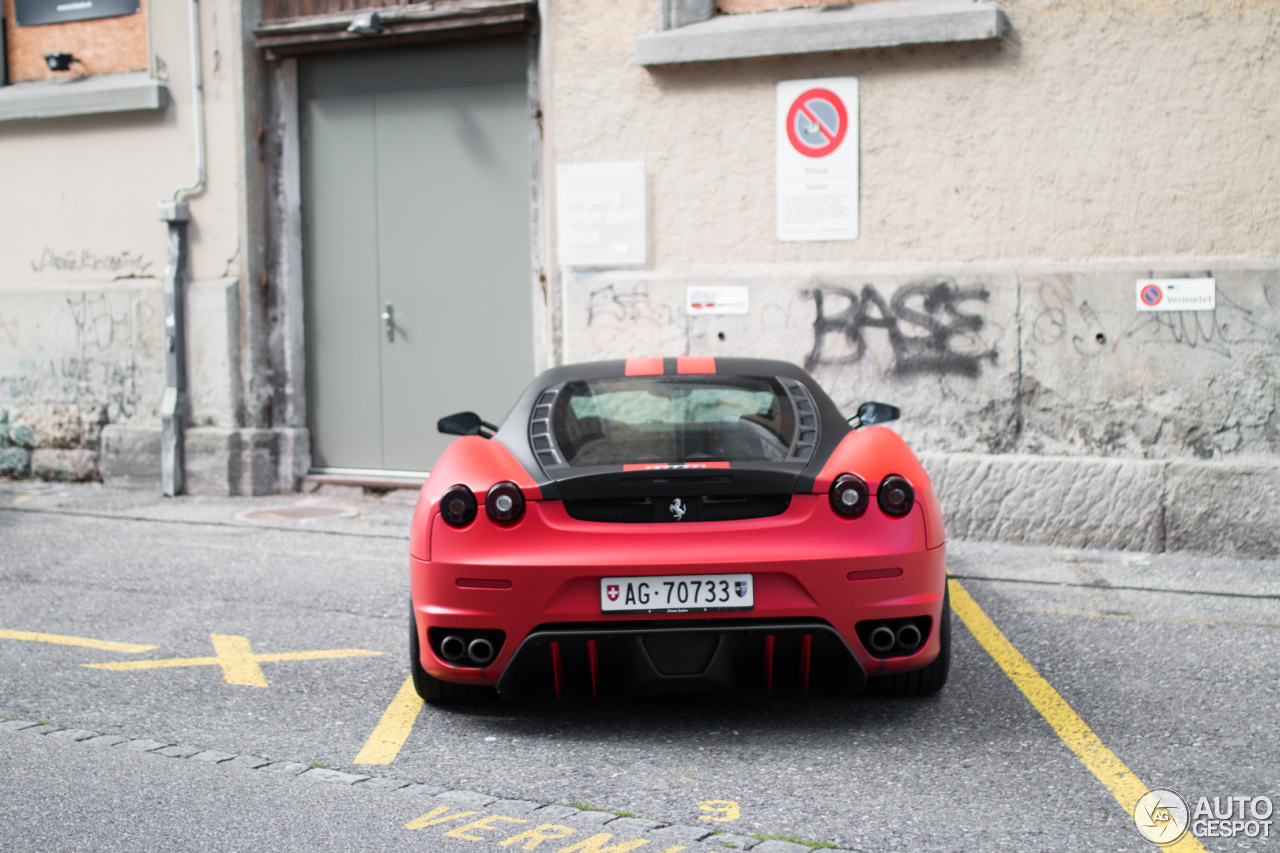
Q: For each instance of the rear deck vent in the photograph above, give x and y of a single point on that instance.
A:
(689, 508)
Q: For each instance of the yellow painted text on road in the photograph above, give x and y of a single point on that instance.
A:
(393, 729)
(482, 825)
(726, 810)
(433, 817)
(235, 656)
(531, 839)
(84, 642)
(1123, 784)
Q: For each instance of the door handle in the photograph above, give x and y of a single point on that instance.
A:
(389, 317)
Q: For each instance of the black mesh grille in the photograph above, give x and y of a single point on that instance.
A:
(686, 653)
(685, 508)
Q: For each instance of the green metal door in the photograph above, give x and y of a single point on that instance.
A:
(416, 234)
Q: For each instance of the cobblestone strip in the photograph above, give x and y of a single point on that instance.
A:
(456, 813)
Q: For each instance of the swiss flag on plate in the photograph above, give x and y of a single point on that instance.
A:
(612, 592)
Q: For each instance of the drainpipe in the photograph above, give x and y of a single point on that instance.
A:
(173, 408)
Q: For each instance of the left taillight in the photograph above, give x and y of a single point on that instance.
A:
(458, 506)
(505, 502)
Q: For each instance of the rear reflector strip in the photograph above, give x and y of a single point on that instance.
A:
(872, 574)
(806, 647)
(695, 364)
(644, 367)
(594, 660)
(556, 671)
(483, 583)
(768, 663)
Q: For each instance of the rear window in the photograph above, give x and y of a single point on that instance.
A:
(673, 419)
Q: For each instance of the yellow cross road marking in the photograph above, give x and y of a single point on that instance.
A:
(235, 656)
(336, 555)
(393, 729)
(60, 640)
(1123, 784)
(1213, 623)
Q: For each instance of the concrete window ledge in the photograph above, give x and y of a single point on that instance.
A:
(865, 25)
(106, 93)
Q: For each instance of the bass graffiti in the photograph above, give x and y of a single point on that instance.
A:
(927, 329)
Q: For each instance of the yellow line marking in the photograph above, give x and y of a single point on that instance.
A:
(1213, 623)
(393, 729)
(21, 499)
(60, 640)
(336, 555)
(431, 819)
(1123, 784)
(235, 656)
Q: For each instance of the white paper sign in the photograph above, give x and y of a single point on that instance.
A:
(817, 148)
(601, 214)
(729, 299)
(1176, 294)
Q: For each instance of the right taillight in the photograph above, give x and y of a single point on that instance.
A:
(895, 496)
(505, 502)
(849, 495)
(458, 506)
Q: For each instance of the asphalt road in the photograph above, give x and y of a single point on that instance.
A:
(1170, 660)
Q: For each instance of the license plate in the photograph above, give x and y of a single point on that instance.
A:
(677, 593)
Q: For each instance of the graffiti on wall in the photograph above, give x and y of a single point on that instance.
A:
(122, 265)
(630, 302)
(929, 326)
(1223, 331)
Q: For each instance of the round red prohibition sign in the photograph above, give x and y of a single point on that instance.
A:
(1151, 295)
(816, 123)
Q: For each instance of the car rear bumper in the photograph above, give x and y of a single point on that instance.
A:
(801, 561)
(674, 657)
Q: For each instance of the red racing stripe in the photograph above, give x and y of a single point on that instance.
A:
(645, 367)
(695, 364)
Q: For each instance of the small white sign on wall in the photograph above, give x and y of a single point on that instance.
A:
(728, 299)
(601, 214)
(1176, 294)
(817, 159)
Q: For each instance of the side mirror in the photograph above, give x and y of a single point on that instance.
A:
(465, 423)
(877, 413)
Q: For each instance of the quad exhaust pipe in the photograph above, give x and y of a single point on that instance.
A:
(457, 650)
(909, 636)
(481, 651)
(882, 639)
(452, 648)
(893, 637)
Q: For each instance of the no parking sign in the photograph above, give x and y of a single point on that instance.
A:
(817, 162)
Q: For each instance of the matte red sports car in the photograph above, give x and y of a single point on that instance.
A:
(677, 525)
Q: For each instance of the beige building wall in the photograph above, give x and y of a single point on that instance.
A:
(1012, 192)
(82, 253)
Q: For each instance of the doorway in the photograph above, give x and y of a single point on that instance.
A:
(416, 247)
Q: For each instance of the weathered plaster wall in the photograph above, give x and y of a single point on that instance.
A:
(1098, 129)
(82, 252)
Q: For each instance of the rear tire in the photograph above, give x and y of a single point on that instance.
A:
(921, 682)
(430, 688)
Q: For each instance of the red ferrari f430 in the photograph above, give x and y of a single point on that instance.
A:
(677, 525)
